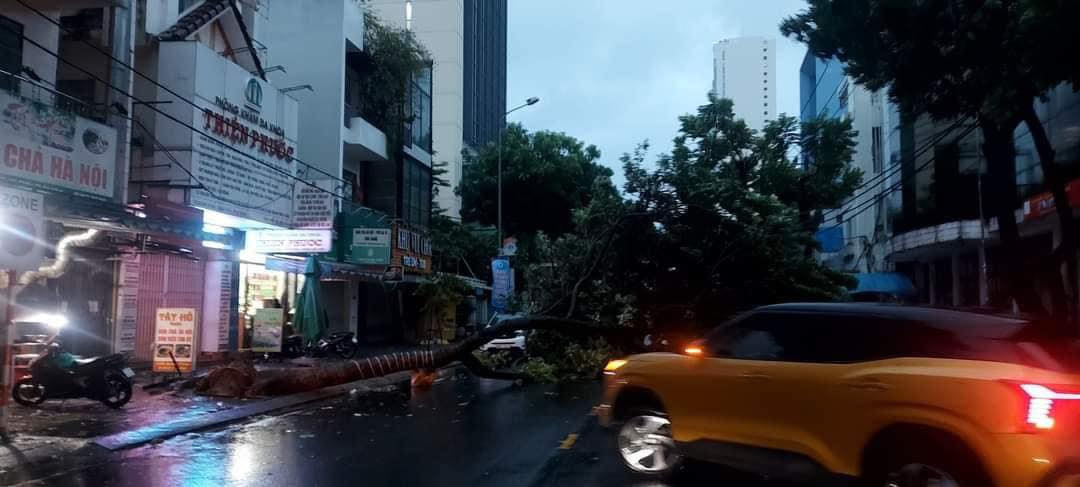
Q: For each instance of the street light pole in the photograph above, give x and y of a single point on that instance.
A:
(498, 199)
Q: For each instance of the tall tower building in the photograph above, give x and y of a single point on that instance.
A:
(744, 70)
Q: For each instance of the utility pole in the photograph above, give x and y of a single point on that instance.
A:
(498, 219)
(8, 363)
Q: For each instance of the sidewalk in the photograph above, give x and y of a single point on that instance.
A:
(48, 434)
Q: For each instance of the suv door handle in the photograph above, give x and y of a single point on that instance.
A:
(868, 385)
(755, 376)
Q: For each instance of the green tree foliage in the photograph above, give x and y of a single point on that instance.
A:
(822, 179)
(390, 59)
(442, 291)
(721, 224)
(724, 231)
(988, 60)
(457, 247)
(461, 248)
(546, 175)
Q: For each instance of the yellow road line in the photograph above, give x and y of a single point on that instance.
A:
(568, 442)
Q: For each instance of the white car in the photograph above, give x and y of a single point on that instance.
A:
(512, 343)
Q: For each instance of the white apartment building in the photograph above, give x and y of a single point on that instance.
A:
(744, 71)
(440, 26)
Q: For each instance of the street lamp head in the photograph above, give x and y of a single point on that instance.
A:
(532, 101)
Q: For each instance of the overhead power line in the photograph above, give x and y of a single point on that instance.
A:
(938, 137)
(861, 207)
(131, 68)
(866, 204)
(813, 91)
(169, 116)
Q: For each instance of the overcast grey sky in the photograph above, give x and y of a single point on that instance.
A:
(616, 72)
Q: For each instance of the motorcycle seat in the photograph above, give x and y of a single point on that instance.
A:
(85, 361)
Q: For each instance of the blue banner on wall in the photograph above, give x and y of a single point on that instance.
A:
(502, 284)
(831, 238)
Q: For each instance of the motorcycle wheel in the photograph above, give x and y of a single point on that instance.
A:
(346, 350)
(28, 393)
(117, 390)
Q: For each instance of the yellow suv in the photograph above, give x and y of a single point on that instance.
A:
(891, 395)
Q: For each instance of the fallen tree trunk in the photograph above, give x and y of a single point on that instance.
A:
(221, 381)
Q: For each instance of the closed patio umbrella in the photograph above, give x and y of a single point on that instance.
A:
(310, 319)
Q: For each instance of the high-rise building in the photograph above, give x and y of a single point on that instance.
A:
(485, 70)
(744, 71)
(467, 43)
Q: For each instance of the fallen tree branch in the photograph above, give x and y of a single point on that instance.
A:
(226, 382)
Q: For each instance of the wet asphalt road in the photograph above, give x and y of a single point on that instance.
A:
(464, 431)
(593, 460)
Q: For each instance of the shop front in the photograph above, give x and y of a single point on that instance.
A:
(233, 174)
(55, 169)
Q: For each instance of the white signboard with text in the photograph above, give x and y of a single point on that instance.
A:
(313, 207)
(288, 241)
(52, 148)
(267, 330)
(174, 340)
(22, 229)
(245, 139)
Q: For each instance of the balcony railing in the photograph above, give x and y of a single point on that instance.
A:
(34, 91)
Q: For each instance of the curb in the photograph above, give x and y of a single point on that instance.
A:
(147, 434)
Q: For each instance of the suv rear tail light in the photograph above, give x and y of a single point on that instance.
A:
(1042, 402)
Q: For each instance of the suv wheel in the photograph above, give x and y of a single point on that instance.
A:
(646, 445)
(919, 475)
(926, 459)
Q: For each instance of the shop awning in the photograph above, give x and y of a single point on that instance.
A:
(330, 269)
(108, 216)
(884, 283)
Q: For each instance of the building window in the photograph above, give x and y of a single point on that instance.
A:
(351, 188)
(416, 197)
(184, 5)
(420, 108)
(11, 48)
(875, 149)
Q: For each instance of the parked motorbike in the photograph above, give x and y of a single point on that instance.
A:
(106, 379)
(293, 346)
(342, 343)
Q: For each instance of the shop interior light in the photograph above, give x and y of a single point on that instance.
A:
(214, 229)
(251, 257)
(210, 244)
(53, 320)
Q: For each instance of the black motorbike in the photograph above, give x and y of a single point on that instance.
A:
(341, 343)
(106, 379)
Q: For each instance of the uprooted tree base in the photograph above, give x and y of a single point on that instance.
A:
(240, 379)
